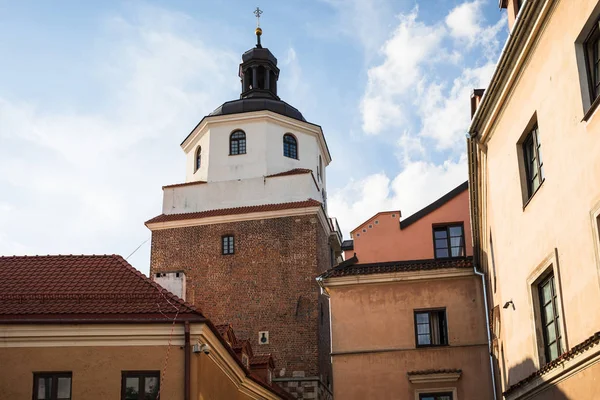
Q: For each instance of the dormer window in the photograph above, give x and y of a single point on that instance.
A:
(237, 143)
(198, 158)
(290, 146)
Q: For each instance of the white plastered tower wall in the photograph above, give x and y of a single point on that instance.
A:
(245, 179)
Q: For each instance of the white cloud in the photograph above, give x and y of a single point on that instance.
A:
(411, 45)
(445, 115)
(84, 182)
(465, 25)
(419, 184)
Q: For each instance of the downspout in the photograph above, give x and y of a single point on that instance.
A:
(487, 328)
(186, 361)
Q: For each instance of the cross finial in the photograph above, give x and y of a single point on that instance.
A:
(258, 12)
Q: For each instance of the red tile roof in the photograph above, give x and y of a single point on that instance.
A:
(82, 288)
(234, 211)
(295, 171)
(351, 266)
(183, 184)
(262, 359)
(592, 341)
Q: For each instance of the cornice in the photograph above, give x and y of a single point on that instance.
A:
(446, 273)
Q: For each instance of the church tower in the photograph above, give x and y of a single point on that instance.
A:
(247, 233)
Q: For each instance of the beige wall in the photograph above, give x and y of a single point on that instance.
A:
(373, 325)
(385, 241)
(96, 370)
(558, 215)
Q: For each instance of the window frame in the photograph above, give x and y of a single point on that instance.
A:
(198, 159)
(142, 375)
(532, 138)
(435, 395)
(287, 145)
(593, 35)
(447, 227)
(444, 339)
(556, 319)
(240, 142)
(230, 246)
(54, 388)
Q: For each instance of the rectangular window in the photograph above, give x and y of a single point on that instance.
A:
(592, 61)
(532, 158)
(550, 318)
(140, 385)
(435, 396)
(52, 386)
(430, 328)
(449, 241)
(227, 244)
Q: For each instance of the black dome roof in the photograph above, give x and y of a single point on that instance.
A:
(258, 104)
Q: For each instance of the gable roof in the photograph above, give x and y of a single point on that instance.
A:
(83, 288)
(352, 267)
(374, 216)
(233, 211)
(435, 205)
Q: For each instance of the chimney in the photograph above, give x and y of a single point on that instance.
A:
(174, 282)
(475, 100)
(512, 7)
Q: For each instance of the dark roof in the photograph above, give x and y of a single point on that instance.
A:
(295, 171)
(351, 266)
(348, 245)
(258, 104)
(184, 184)
(233, 211)
(434, 371)
(434, 206)
(262, 359)
(103, 287)
(259, 53)
(586, 344)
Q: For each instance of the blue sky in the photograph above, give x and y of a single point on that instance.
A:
(95, 98)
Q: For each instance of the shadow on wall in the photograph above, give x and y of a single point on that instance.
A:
(527, 369)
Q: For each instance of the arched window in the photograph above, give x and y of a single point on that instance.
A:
(237, 143)
(290, 146)
(320, 170)
(198, 158)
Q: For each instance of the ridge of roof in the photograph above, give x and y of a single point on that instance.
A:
(353, 268)
(295, 171)
(434, 206)
(183, 184)
(233, 211)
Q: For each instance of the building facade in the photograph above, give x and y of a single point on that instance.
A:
(534, 163)
(248, 231)
(92, 327)
(407, 308)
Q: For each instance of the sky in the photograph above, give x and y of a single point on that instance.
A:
(95, 98)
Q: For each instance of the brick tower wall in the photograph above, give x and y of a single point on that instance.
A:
(267, 285)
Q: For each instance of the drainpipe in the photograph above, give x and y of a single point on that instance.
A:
(487, 328)
(186, 362)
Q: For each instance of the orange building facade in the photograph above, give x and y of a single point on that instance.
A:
(407, 308)
(534, 160)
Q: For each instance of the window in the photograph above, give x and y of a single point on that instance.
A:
(320, 169)
(435, 396)
(198, 158)
(237, 143)
(52, 386)
(228, 247)
(449, 241)
(290, 146)
(550, 318)
(324, 195)
(140, 385)
(532, 157)
(430, 328)
(592, 61)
